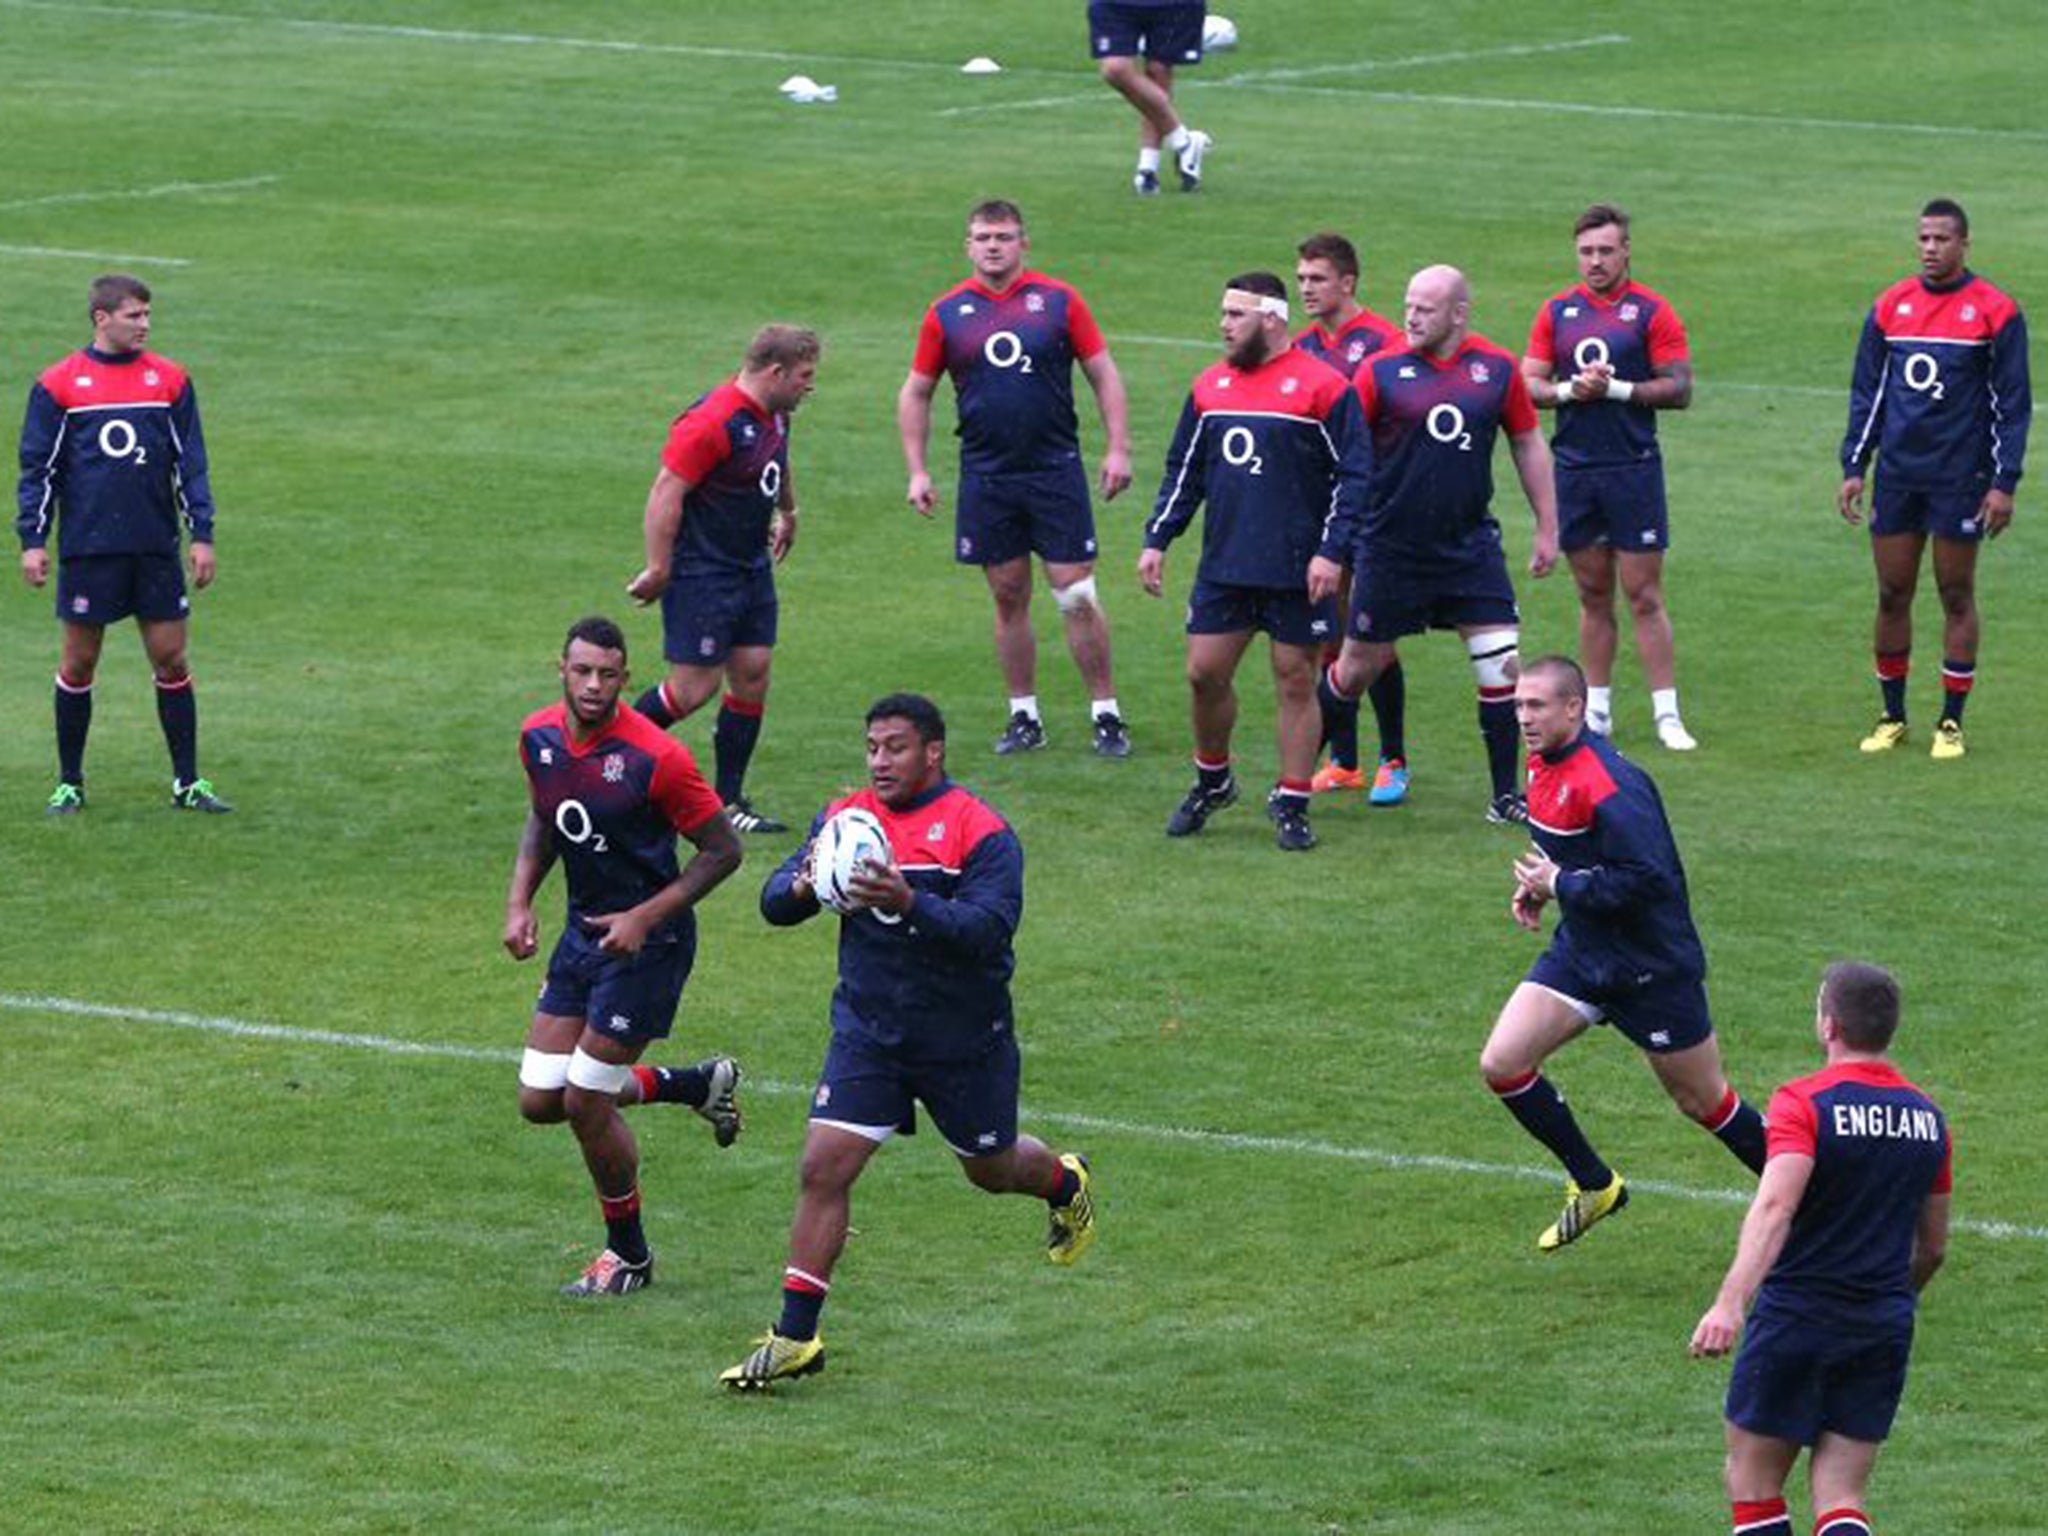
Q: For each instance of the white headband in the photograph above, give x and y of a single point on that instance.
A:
(1264, 303)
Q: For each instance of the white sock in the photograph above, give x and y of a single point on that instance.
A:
(1176, 140)
(1026, 705)
(1103, 707)
(1599, 701)
(1663, 703)
(1148, 160)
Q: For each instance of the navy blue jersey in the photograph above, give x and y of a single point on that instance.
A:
(613, 806)
(1280, 455)
(1011, 356)
(735, 456)
(111, 445)
(1627, 921)
(1880, 1147)
(1351, 343)
(933, 985)
(1635, 332)
(1433, 424)
(1941, 393)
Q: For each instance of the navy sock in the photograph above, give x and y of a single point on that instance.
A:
(1503, 736)
(1762, 1517)
(1212, 778)
(74, 719)
(1340, 722)
(803, 1298)
(622, 1233)
(1891, 681)
(732, 741)
(654, 705)
(1389, 695)
(1541, 1111)
(178, 713)
(673, 1085)
(1065, 1185)
(1740, 1129)
(1956, 679)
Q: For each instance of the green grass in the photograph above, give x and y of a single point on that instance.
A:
(263, 1284)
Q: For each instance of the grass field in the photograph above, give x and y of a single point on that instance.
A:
(443, 273)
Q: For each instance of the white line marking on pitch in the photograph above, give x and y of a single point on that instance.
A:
(52, 250)
(1235, 1141)
(124, 194)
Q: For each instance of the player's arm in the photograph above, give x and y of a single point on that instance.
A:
(914, 411)
(659, 524)
(787, 897)
(42, 435)
(1866, 416)
(2012, 412)
(1180, 495)
(1543, 389)
(193, 482)
(1532, 463)
(782, 528)
(1110, 399)
(1669, 387)
(1930, 1239)
(1632, 867)
(1764, 1231)
(981, 915)
(1351, 442)
(530, 866)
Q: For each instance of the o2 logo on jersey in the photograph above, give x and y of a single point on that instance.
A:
(1005, 349)
(1589, 352)
(118, 441)
(572, 820)
(1240, 448)
(771, 479)
(1922, 373)
(1446, 423)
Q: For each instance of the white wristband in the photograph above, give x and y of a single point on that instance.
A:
(1620, 389)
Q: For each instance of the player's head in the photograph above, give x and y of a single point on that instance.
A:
(1944, 239)
(906, 747)
(1860, 1002)
(593, 669)
(1254, 318)
(1550, 702)
(996, 240)
(1326, 272)
(1437, 310)
(782, 365)
(1601, 236)
(119, 307)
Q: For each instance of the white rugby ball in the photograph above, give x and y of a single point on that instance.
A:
(848, 839)
(1218, 33)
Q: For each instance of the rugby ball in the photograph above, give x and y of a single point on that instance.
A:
(848, 839)
(1218, 34)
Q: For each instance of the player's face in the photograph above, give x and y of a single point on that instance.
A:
(789, 386)
(1433, 319)
(996, 251)
(1324, 290)
(901, 764)
(1245, 342)
(122, 329)
(1603, 257)
(1943, 247)
(592, 679)
(1549, 717)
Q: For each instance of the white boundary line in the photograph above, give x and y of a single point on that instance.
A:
(123, 194)
(1232, 1141)
(52, 250)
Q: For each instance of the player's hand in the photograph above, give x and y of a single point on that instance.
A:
(1325, 576)
(522, 937)
(1116, 474)
(648, 585)
(1717, 1332)
(35, 566)
(881, 887)
(1526, 908)
(1543, 553)
(1152, 570)
(203, 566)
(619, 933)
(1849, 500)
(781, 534)
(1591, 384)
(1994, 513)
(1535, 872)
(921, 495)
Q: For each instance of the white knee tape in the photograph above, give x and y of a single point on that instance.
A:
(545, 1070)
(1493, 657)
(1074, 598)
(594, 1076)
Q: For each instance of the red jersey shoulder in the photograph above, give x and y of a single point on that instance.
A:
(84, 380)
(548, 716)
(1295, 383)
(1476, 345)
(1566, 795)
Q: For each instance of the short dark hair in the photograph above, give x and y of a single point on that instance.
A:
(997, 210)
(783, 346)
(1599, 214)
(110, 292)
(1262, 283)
(921, 712)
(596, 630)
(1948, 208)
(1328, 245)
(1863, 1000)
(1571, 681)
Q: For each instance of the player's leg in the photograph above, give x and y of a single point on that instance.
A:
(1839, 1470)
(1213, 655)
(1539, 1018)
(1173, 37)
(687, 688)
(1339, 719)
(1009, 584)
(78, 662)
(1955, 576)
(1593, 571)
(1087, 630)
(1755, 1471)
(974, 1107)
(738, 729)
(1896, 559)
(1642, 583)
(1298, 724)
(600, 1069)
(1494, 652)
(177, 713)
(1692, 1075)
(544, 1065)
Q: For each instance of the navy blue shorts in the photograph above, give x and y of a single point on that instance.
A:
(1390, 599)
(623, 997)
(1618, 505)
(704, 617)
(1660, 1015)
(101, 589)
(1170, 34)
(972, 1102)
(1285, 613)
(1000, 518)
(1945, 514)
(1795, 1380)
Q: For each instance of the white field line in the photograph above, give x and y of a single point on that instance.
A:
(135, 261)
(1193, 344)
(126, 194)
(1228, 1141)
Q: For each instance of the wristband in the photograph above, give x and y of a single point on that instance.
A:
(1620, 389)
